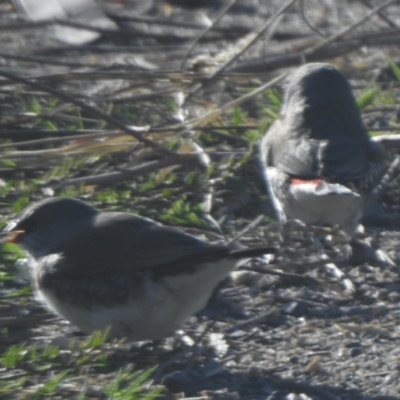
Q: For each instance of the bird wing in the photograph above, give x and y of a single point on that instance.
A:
(322, 151)
(289, 153)
(124, 242)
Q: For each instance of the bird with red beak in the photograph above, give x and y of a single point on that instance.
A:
(319, 162)
(117, 270)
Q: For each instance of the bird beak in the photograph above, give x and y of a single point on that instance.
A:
(10, 234)
(11, 237)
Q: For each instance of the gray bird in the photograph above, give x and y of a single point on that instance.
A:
(319, 162)
(118, 270)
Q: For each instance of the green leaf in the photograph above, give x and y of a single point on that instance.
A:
(166, 192)
(13, 251)
(274, 97)
(395, 69)
(237, 116)
(51, 385)
(20, 204)
(367, 97)
(8, 163)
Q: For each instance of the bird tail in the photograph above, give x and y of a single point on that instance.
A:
(252, 252)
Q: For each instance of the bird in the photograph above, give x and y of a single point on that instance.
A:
(116, 270)
(319, 163)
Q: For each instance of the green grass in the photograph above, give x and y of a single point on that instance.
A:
(32, 373)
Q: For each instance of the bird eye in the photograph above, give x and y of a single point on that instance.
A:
(28, 225)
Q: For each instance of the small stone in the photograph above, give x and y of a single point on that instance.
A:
(355, 351)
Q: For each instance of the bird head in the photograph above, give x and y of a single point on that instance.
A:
(43, 226)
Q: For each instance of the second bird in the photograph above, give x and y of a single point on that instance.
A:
(319, 162)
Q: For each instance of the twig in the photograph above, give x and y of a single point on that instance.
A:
(42, 60)
(145, 19)
(388, 141)
(95, 112)
(297, 265)
(270, 24)
(262, 317)
(308, 22)
(381, 14)
(105, 75)
(384, 129)
(381, 189)
(386, 38)
(39, 24)
(49, 140)
(347, 29)
(205, 31)
(305, 279)
(78, 133)
(249, 227)
(215, 113)
(118, 176)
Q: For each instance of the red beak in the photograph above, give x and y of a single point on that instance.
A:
(11, 236)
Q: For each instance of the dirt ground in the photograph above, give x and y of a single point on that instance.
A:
(300, 333)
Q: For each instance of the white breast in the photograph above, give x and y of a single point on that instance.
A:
(164, 306)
